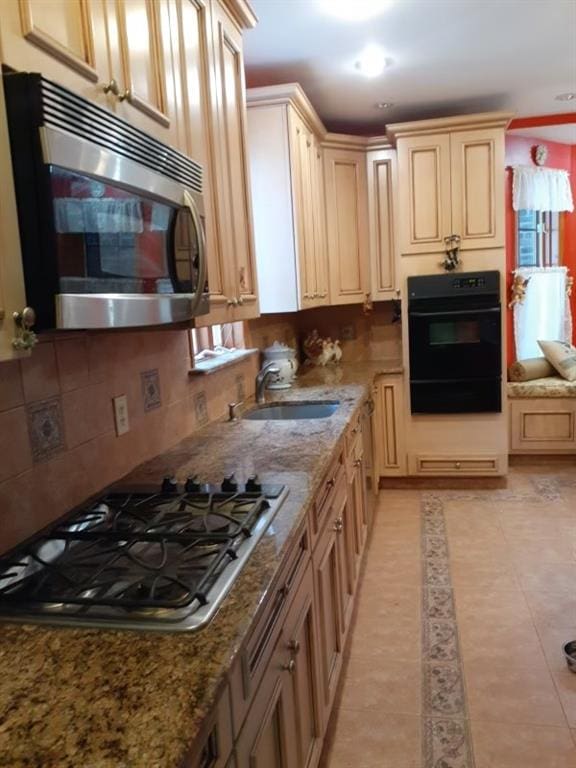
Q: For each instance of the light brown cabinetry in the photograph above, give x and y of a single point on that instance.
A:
(543, 425)
(347, 224)
(451, 181)
(390, 454)
(381, 168)
(215, 746)
(288, 194)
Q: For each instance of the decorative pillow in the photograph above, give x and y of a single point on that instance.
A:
(530, 369)
(562, 356)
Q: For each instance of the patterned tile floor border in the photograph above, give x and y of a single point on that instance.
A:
(446, 741)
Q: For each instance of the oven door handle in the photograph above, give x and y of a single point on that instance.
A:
(202, 265)
(455, 312)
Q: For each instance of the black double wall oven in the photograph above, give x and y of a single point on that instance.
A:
(455, 343)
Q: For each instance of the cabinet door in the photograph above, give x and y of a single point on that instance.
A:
(347, 225)
(381, 172)
(301, 640)
(142, 64)
(301, 181)
(478, 188)
(12, 295)
(192, 27)
(344, 524)
(234, 209)
(327, 585)
(319, 209)
(424, 214)
(65, 40)
(269, 738)
(356, 494)
(389, 426)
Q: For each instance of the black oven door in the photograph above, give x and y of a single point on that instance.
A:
(450, 344)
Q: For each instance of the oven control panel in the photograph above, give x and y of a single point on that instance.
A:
(469, 282)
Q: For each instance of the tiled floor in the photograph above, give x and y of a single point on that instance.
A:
(456, 656)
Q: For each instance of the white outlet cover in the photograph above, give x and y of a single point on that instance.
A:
(121, 420)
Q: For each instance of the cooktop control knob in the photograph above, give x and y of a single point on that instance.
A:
(169, 485)
(192, 485)
(253, 484)
(229, 484)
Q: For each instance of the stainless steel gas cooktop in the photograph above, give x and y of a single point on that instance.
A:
(140, 558)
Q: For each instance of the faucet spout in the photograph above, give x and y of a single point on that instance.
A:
(267, 370)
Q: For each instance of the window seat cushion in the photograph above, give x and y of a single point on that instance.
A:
(551, 386)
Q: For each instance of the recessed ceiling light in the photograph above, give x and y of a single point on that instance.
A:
(383, 104)
(372, 61)
(565, 96)
(355, 10)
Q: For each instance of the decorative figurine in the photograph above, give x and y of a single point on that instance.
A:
(540, 154)
(337, 351)
(452, 247)
(518, 290)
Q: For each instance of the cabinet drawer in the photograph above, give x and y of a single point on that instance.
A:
(456, 464)
(259, 646)
(214, 747)
(326, 495)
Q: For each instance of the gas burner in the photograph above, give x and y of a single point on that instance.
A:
(158, 557)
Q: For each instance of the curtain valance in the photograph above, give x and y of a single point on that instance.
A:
(541, 189)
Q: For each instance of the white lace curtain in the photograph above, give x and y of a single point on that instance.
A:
(545, 314)
(541, 189)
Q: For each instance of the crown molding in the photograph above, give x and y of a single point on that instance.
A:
(378, 142)
(447, 124)
(344, 141)
(287, 93)
(242, 13)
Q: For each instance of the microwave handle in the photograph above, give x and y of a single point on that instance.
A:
(455, 312)
(202, 265)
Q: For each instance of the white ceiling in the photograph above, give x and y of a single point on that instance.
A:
(448, 57)
(564, 134)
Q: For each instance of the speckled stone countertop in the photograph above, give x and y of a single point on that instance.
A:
(72, 698)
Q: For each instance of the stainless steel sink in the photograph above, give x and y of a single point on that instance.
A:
(285, 411)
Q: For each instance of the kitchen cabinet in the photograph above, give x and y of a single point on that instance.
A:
(451, 181)
(215, 746)
(232, 269)
(381, 170)
(288, 194)
(12, 295)
(390, 455)
(347, 224)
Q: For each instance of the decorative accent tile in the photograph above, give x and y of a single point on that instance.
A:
(240, 381)
(446, 739)
(547, 488)
(201, 408)
(46, 429)
(151, 389)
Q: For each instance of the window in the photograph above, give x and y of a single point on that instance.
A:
(538, 239)
(216, 342)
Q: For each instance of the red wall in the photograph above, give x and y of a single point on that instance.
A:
(519, 152)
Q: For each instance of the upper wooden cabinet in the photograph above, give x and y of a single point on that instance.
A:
(451, 181)
(382, 186)
(233, 269)
(347, 223)
(288, 194)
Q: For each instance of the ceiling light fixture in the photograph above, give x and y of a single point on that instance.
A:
(372, 61)
(383, 104)
(357, 10)
(565, 96)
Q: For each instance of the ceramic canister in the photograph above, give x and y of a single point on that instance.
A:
(285, 359)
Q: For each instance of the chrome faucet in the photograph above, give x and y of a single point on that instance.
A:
(268, 369)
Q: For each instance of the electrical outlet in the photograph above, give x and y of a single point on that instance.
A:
(121, 420)
(348, 332)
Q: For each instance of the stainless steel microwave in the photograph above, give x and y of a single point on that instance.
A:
(111, 220)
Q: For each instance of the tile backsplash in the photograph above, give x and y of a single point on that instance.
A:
(58, 443)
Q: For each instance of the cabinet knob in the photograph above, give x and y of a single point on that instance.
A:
(339, 525)
(124, 95)
(294, 646)
(290, 667)
(457, 465)
(358, 462)
(240, 300)
(111, 87)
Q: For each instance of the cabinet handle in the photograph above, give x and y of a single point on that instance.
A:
(331, 483)
(358, 462)
(240, 300)
(111, 87)
(294, 646)
(339, 525)
(232, 302)
(457, 465)
(290, 667)
(124, 95)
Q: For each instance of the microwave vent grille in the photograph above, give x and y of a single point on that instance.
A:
(65, 111)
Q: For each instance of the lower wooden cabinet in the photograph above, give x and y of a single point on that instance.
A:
(215, 746)
(543, 425)
(389, 438)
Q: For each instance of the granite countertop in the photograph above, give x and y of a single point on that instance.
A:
(551, 386)
(112, 699)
